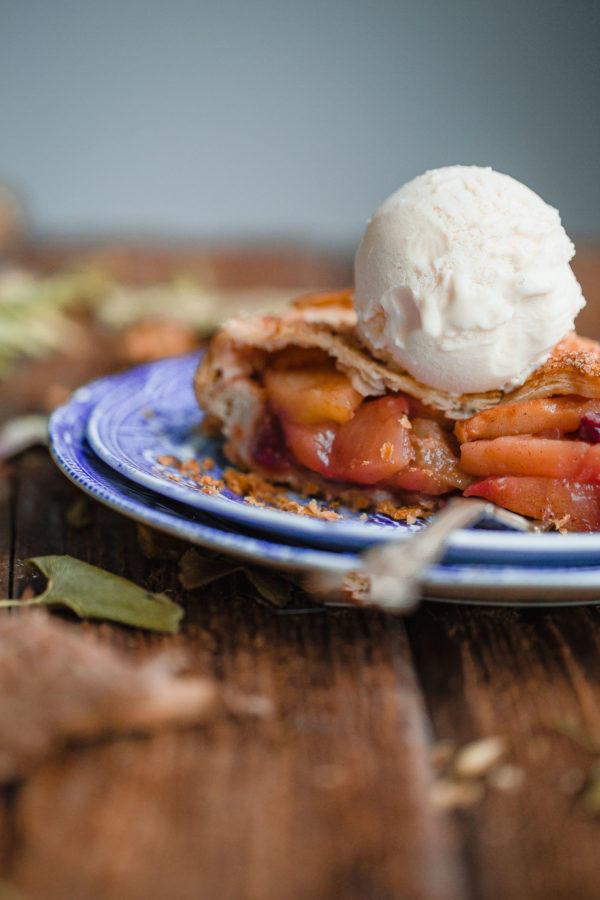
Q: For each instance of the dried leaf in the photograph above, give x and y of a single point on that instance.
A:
(275, 590)
(79, 513)
(182, 299)
(32, 311)
(58, 685)
(92, 593)
(158, 545)
(199, 303)
(35, 309)
(196, 571)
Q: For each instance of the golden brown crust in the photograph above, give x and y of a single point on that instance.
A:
(573, 367)
(329, 324)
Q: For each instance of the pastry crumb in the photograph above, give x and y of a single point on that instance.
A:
(408, 514)
(258, 492)
(167, 460)
(561, 524)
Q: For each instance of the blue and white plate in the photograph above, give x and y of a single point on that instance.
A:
(151, 411)
(470, 583)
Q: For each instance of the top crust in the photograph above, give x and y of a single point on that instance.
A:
(327, 322)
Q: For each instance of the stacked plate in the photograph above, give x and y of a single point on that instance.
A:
(115, 439)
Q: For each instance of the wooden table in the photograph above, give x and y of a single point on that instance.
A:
(334, 795)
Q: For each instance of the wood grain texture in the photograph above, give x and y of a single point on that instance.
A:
(531, 677)
(326, 797)
(326, 791)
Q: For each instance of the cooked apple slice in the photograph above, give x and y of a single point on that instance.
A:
(576, 506)
(420, 481)
(562, 414)
(375, 443)
(434, 467)
(310, 396)
(435, 449)
(527, 455)
(311, 444)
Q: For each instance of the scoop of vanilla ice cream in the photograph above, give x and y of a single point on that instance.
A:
(463, 280)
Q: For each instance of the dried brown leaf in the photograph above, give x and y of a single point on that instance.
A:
(274, 589)
(156, 544)
(196, 571)
(79, 513)
(58, 685)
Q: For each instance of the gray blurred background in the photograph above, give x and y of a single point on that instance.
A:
(190, 120)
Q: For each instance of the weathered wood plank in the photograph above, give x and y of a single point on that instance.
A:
(326, 797)
(528, 676)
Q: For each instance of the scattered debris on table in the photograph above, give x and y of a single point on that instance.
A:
(199, 474)
(278, 590)
(465, 772)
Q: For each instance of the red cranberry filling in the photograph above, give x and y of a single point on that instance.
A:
(589, 429)
(270, 451)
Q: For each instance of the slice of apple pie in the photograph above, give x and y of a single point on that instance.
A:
(300, 401)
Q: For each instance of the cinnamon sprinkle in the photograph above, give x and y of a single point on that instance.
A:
(386, 450)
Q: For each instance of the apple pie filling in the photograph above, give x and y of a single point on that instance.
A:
(540, 457)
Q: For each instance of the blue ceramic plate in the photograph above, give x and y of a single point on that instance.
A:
(481, 584)
(150, 412)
